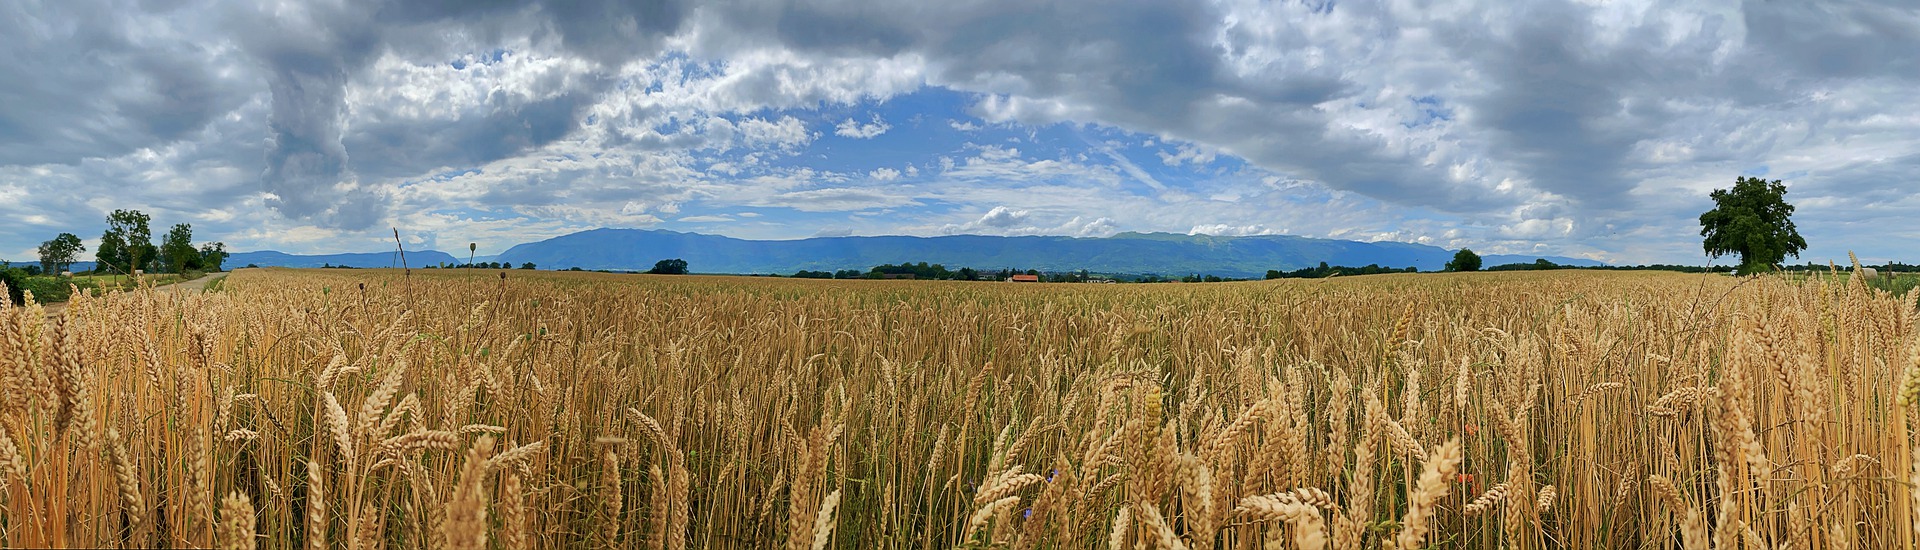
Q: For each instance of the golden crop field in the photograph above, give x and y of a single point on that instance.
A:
(464, 409)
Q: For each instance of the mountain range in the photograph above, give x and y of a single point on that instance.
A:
(1125, 253)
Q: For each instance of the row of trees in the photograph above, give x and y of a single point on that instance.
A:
(841, 274)
(1325, 270)
(1538, 264)
(483, 265)
(923, 270)
(127, 245)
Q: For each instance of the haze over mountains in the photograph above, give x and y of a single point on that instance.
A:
(1128, 253)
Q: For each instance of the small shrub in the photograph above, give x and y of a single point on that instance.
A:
(1897, 284)
(13, 279)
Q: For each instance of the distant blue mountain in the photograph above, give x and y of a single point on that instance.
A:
(1132, 253)
(269, 258)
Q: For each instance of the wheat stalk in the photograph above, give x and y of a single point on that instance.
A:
(235, 530)
(127, 479)
(1435, 477)
(608, 514)
(823, 525)
(465, 527)
(1117, 535)
(317, 521)
(513, 512)
(985, 514)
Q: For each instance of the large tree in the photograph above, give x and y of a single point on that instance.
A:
(56, 254)
(113, 247)
(212, 255)
(1464, 260)
(674, 266)
(1753, 220)
(176, 249)
(128, 243)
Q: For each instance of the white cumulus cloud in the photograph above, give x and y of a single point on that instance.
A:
(858, 130)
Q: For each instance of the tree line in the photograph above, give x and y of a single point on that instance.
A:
(127, 246)
(939, 272)
(483, 265)
(1324, 271)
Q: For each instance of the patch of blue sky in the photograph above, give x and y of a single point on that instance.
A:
(918, 132)
(930, 124)
(489, 58)
(1430, 110)
(1152, 161)
(450, 175)
(1308, 195)
(686, 67)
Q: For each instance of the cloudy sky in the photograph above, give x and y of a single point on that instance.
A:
(1580, 128)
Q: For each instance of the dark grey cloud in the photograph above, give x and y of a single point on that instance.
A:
(306, 163)
(1555, 110)
(615, 31)
(312, 58)
(392, 145)
(88, 78)
(1856, 39)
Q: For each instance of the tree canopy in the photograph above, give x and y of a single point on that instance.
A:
(1751, 219)
(176, 249)
(128, 243)
(212, 255)
(1328, 271)
(57, 254)
(1464, 260)
(15, 282)
(674, 266)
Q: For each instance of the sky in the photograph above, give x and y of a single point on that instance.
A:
(1591, 129)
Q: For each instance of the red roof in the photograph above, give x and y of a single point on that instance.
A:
(1026, 278)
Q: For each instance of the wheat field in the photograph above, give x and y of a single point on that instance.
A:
(370, 409)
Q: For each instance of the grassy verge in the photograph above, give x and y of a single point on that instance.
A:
(121, 282)
(53, 289)
(1897, 284)
(47, 290)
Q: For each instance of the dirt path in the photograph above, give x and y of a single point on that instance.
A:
(196, 285)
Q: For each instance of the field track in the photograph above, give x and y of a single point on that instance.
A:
(54, 309)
